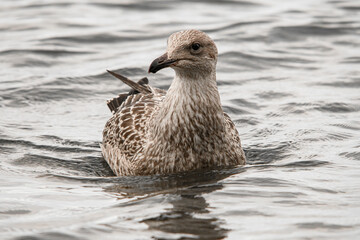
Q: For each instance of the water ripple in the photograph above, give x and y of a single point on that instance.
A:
(259, 62)
(320, 225)
(101, 38)
(140, 6)
(297, 33)
(46, 52)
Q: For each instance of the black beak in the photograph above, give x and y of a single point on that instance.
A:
(160, 63)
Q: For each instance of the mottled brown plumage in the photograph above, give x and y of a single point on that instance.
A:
(157, 132)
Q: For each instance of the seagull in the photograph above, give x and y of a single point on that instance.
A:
(157, 132)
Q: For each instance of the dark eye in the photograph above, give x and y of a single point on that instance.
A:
(195, 46)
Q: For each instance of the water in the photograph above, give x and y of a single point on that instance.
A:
(288, 74)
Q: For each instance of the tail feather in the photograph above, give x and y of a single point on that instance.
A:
(116, 102)
(142, 81)
(134, 85)
(137, 87)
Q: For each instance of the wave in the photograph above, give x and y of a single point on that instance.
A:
(257, 62)
(297, 33)
(46, 52)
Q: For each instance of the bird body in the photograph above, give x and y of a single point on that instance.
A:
(183, 129)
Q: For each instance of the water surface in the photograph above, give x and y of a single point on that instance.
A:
(288, 75)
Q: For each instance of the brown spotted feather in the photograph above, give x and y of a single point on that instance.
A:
(123, 135)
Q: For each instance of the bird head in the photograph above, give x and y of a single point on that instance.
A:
(189, 51)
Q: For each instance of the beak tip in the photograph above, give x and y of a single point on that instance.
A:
(160, 63)
(152, 70)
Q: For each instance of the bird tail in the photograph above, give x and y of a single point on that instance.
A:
(137, 87)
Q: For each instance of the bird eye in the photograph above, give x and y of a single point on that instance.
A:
(195, 46)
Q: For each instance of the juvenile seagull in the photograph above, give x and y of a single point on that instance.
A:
(157, 132)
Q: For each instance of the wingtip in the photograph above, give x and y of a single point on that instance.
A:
(118, 76)
(130, 83)
(111, 72)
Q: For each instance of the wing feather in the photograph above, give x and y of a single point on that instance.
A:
(137, 87)
(124, 134)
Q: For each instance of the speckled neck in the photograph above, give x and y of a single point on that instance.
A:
(191, 110)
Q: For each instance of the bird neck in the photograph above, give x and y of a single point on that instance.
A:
(189, 105)
(198, 91)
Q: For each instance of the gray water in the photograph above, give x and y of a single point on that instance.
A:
(288, 75)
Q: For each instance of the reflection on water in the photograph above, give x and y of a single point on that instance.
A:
(288, 75)
(184, 192)
(181, 217)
